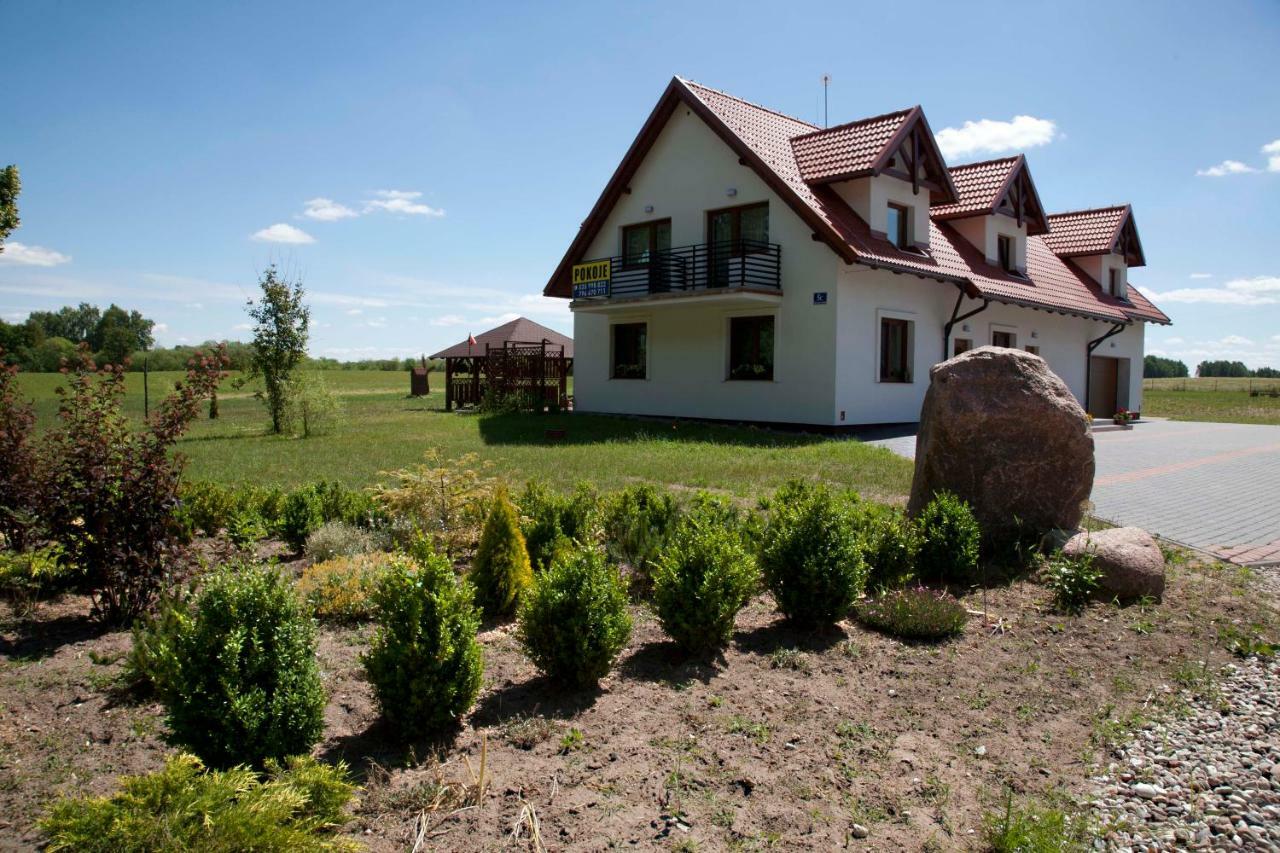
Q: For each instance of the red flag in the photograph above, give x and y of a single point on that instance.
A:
(471, 340)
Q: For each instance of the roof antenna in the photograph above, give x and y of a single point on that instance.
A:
(826, 81)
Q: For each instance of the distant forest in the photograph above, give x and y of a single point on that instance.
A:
(1155, 367)
(41, 343)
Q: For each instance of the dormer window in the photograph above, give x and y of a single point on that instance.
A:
(1113, 281)
(896, 225)
(1005, 249)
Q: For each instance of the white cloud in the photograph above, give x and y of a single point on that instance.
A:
(327, 210)
(242, 327)
(1272, 150)
(34, 256)
(1236, 341)
(160, 328)
(1201, 275)
(376, 322)
(1226, 167)
(449, 320)
(283, 233)
(401, 201)
(1259, 290)
(1174, 341)
(353, 312)
(988, 136)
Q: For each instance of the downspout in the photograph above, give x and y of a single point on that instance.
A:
(946, 329)
(1088, 364)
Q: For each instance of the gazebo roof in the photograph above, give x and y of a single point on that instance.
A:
(521, 330)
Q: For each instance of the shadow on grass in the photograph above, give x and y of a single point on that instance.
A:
(666, 663)
(783, 634)
(540, 696)
(597, 429)
(38, 638)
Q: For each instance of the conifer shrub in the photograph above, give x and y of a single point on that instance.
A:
(913, 614)
(574, 621)
(341, 589)
(501, 571)
(890, 545)
(247, 685)
(701, 581)
(550, 521)
(297, 806)
(424, 663)
(638, 523)
(151, 666)
(949, 541)
(811, 553)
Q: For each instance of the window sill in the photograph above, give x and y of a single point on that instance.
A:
(883, 381)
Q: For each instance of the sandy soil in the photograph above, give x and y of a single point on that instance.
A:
(788, 741)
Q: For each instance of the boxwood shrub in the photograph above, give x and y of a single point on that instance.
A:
(574, 621)
(949, 541)
(245, 685)
(701, 581)
(425, 663)
(811, 553)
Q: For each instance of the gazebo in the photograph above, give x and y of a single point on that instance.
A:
(521, 359)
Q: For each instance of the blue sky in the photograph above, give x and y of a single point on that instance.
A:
(437, 158)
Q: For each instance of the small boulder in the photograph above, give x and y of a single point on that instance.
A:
(1004, 432)
(1131, 562)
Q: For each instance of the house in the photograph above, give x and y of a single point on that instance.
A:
(745, 265)
(516, 356)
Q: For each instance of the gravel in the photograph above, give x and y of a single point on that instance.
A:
(1207, 780)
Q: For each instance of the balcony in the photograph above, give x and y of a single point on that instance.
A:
(741, 268)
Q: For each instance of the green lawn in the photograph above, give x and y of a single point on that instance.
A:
(386, 429)
(1220, 400)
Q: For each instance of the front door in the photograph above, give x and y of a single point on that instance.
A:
(1103, 386)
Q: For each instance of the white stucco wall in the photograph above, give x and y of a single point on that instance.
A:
(689, 171)
(1098, 266)
(865, 295)
(870, 198)
(984, 233)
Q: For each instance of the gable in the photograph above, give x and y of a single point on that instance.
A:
(1001, 186)
(1099, 231)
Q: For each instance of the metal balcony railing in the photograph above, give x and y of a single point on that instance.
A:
(705, 266)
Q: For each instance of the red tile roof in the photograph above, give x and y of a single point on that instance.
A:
(521, 330)
(1085, 232)
(979, 186)
(767, 141)
(847, 150)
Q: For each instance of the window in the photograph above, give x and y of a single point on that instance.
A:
(895, 350)
(963, 345)
(1004, 246)
(751, 348)
(896, 226)
(641, 242)
(1113, 281)
(630, 350)
(1033, 350)
(1003, 339)
(733, 233)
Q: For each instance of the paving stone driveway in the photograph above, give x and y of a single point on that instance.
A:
(1211, 486)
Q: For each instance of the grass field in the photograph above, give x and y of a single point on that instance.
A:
(1209, 399)
(385, 429)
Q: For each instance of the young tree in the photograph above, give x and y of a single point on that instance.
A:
(10, 186)
(281, 325)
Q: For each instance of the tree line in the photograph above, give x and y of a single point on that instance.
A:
(1155, 367)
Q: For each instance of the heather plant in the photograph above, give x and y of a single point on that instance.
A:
(703, 578)
(914, 613)
(247, 686)
(501, 571)
(949, 541)
(552, 521)
(108, 492)
(338, 539)
(574, 621)
(295, 806)
(341, 589)
(890, 545)
(1072, 580)
(811, 553)
(638, 523)
(445, 499)
(425, 663)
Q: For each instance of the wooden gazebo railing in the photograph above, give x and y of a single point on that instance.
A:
(533, 375)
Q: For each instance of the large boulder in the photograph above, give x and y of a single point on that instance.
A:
(1131, 562)
(1002, 431)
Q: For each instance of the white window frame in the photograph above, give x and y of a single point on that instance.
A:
(912, 321)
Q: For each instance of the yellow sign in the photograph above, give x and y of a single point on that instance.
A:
(592, 271)
(591, 279)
